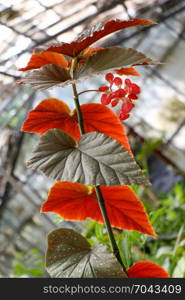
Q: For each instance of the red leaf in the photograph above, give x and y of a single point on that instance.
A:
(53, 113)
(146, 269)
(90, 51)
(39, 60)
(128, 71)
(74, 201)
(95, 33)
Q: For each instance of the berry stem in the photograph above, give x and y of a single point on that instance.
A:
(88, 91)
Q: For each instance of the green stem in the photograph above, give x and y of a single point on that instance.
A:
(79, 113)
(108, 226)
(97, 188)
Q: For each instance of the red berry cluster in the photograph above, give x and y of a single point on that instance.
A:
(127, 94)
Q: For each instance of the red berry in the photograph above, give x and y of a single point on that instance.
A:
(103, 88)
(112, 95)
(118, 81)
(105, 99)
(128, 82)
(109, 77)
(120, 93)
(127, 106)
(134, 89)
(127, 90)
(114, 102)
(133, 97)
(123, 116)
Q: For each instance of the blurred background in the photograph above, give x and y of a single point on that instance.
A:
(156, 128)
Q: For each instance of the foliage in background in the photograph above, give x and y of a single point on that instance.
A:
(167, 250)
(28, 264)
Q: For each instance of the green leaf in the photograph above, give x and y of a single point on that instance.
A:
(29, 263)
(69, 255)
(179, 271)
(156, 214)
(110, 58)
(47, 77)
(125, 246)
(96, 159)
